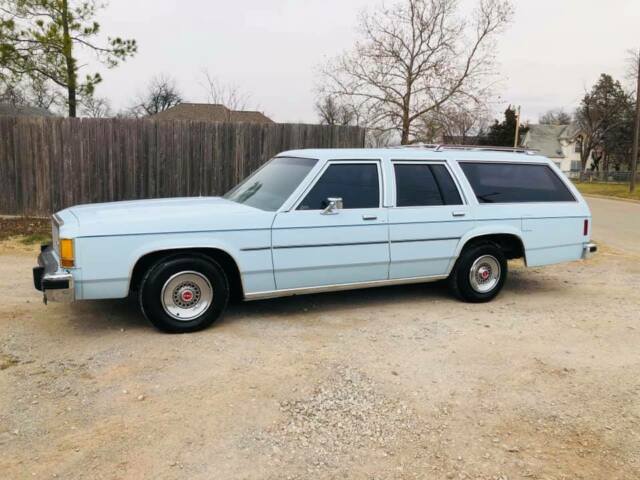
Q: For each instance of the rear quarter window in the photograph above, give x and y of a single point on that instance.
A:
(515, 183)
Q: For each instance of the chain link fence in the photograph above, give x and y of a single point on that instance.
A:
(602, 177)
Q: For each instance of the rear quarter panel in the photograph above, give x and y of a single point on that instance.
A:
(551, 232)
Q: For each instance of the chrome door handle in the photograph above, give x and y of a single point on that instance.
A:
(369, 217)
(458, 214)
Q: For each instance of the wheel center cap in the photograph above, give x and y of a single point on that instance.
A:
(187, 295)
(484, 274)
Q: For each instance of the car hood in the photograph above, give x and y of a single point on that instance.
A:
(169, 215)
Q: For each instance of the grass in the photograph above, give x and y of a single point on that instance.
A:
(35, 238)
(618, 190)
(28, 231)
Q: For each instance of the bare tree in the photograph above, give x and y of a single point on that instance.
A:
(332, 112)
(455, 123)
(13, 95)
(95, 107)
(218, 92)
(416, 56)
(42, 94)
(555, 117)
(160, 95)
(32, 91)
(379, 137)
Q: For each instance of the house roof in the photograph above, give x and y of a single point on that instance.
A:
(23, 111)
(546, 138)
(211, 112)
(570, 132)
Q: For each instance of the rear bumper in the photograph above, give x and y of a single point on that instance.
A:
(588, 250)
(55, 283)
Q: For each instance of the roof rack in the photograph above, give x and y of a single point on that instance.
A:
(437, 147)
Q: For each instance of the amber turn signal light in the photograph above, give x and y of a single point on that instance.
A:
(66, 253)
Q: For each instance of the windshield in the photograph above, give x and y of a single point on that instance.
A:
(271, 185)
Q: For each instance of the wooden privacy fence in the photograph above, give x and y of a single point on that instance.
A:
(47, 164)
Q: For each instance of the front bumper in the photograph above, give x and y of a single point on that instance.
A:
(588, 250)
(55, 283)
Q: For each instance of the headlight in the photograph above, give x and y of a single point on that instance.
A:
(67, 259)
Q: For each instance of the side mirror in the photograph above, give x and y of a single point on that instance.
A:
(334, 205)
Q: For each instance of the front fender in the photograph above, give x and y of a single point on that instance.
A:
(108, 274)
(161, 246)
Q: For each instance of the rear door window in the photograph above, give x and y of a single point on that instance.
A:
(515, 183)
(424, 185)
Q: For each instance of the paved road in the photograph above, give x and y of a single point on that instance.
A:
(616, 223)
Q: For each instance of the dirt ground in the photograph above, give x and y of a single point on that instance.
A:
(28, 227)
(387, 383)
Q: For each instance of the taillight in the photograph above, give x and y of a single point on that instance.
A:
(585, 228)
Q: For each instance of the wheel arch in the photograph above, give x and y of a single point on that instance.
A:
(223, 258)
(508, 239)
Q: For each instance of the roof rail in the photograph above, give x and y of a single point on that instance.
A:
(437, 147)
(432, 146)
(490, 148)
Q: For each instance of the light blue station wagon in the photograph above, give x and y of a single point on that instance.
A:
(322, 220)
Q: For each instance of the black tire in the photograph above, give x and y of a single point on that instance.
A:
(460, 281)
(190, 271)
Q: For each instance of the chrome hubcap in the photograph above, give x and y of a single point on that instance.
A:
(186, 295)
(484, 274)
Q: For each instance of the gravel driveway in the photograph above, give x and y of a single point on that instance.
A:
(387, 383)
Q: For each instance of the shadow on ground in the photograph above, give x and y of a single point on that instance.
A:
(93, 316)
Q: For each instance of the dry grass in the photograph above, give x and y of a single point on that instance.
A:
(28, 230)
(618, 190)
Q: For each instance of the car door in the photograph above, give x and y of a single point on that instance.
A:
(428, 220)
(314, 246)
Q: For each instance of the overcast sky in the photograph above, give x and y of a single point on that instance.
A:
(551, 53)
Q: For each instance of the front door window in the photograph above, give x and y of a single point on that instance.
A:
(357, 184)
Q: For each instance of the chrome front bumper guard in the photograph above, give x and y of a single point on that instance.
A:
(55, 283)
(588, 250)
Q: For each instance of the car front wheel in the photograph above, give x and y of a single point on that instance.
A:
(183, 294)
(479, 274)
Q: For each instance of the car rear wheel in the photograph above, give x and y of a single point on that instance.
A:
(183, 294)
(479, 274)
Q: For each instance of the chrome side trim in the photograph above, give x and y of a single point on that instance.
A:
(416, 240)
(338, 287)
(315, 245)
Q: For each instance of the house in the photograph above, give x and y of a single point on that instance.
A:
(23, 111)
(561, 143)
(211, 112)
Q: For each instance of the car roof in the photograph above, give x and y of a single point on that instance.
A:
(479, 154)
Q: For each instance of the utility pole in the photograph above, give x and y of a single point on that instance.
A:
(515, 142)
(636, 130)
